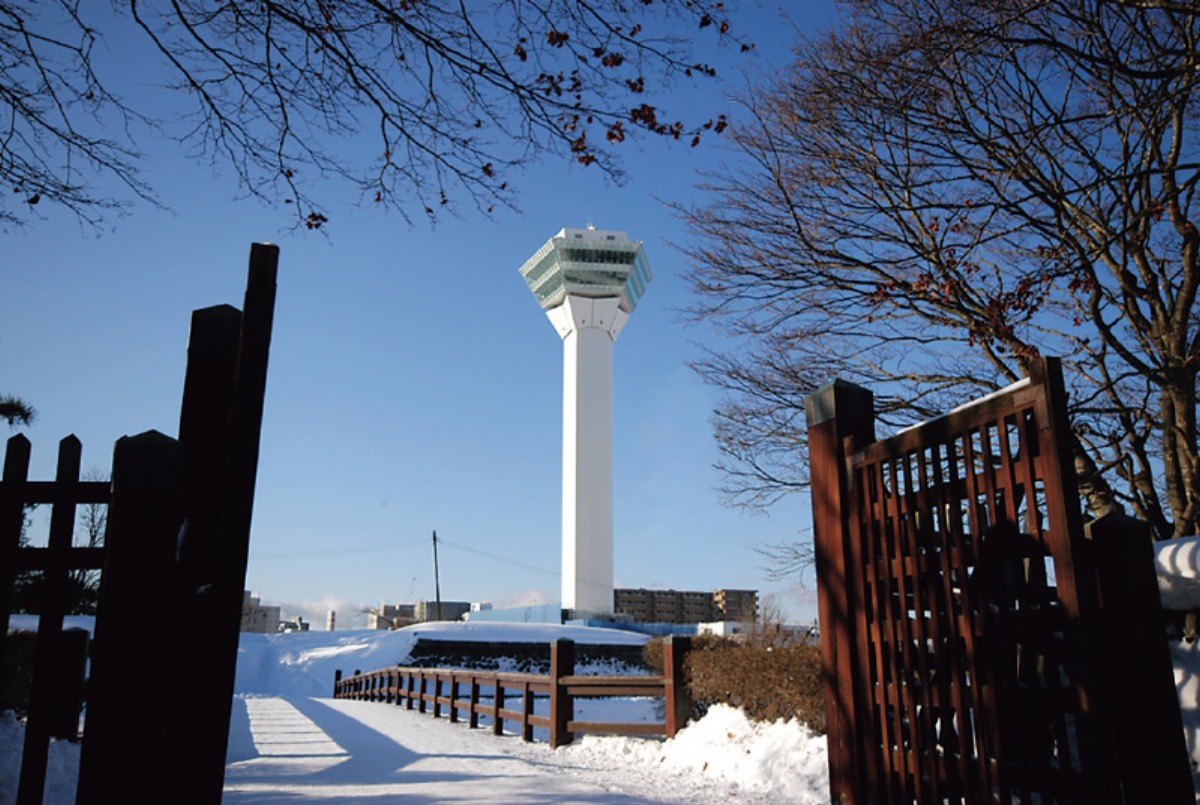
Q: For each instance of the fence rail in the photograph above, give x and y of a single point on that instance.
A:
(462, 691)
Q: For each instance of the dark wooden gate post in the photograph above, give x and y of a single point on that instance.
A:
(837, 412)
(128, 693)
(562, 706)
(677, 699)
(220, 426)
(1151, 748)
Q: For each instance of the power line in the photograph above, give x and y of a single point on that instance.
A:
(506, 560)
(375, 548)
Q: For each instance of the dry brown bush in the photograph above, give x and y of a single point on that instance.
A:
(768, 681)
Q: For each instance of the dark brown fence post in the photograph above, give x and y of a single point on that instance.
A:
(337, 683)
(835, 412)
(128, 700)
(562, 706)
(526, 712)
(474, 702)
(1151, 748)
(677, 698)
(498, 701)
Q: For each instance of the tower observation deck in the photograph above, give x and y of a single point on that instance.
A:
(588, 281)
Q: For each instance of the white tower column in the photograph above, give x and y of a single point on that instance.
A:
(588, 327)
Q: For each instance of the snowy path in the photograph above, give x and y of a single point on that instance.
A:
(312, 749)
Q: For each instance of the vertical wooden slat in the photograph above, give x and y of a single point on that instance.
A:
(884, 632)
(936, 760)
(922, 763)
(986, 711)
(46, 649)
(956, 736)
(12, 518)
(863, 673)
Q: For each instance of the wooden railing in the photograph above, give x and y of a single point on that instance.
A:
(459, 690)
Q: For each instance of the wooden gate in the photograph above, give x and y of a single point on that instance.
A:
(173, 562)
(960, 612)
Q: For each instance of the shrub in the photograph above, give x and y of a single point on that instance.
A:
(17, 672)
(767, 679)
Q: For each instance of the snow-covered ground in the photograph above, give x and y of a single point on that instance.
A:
(288, 741)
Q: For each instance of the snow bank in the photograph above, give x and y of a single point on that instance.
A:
(1177, 562)
(779, 762)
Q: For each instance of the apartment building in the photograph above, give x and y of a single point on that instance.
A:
(685, 606)
(256, 617)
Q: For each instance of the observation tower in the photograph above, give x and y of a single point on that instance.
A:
(588, 281)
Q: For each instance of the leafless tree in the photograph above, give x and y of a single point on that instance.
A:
(415, 102)
(938, 192)
(92, 526)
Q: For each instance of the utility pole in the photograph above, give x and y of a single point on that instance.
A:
(437, 585)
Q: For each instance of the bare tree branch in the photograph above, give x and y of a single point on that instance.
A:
(937, 193)
(415, 104)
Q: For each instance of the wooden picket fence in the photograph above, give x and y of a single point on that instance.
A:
(490, 693)
(173, 558)
(962, 604)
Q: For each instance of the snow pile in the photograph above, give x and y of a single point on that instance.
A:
(1177, 562)
(780, 762)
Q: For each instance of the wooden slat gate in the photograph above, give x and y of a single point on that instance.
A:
(960, 612)
(174, 562)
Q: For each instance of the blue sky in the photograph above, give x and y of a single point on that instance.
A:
(414, 383)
